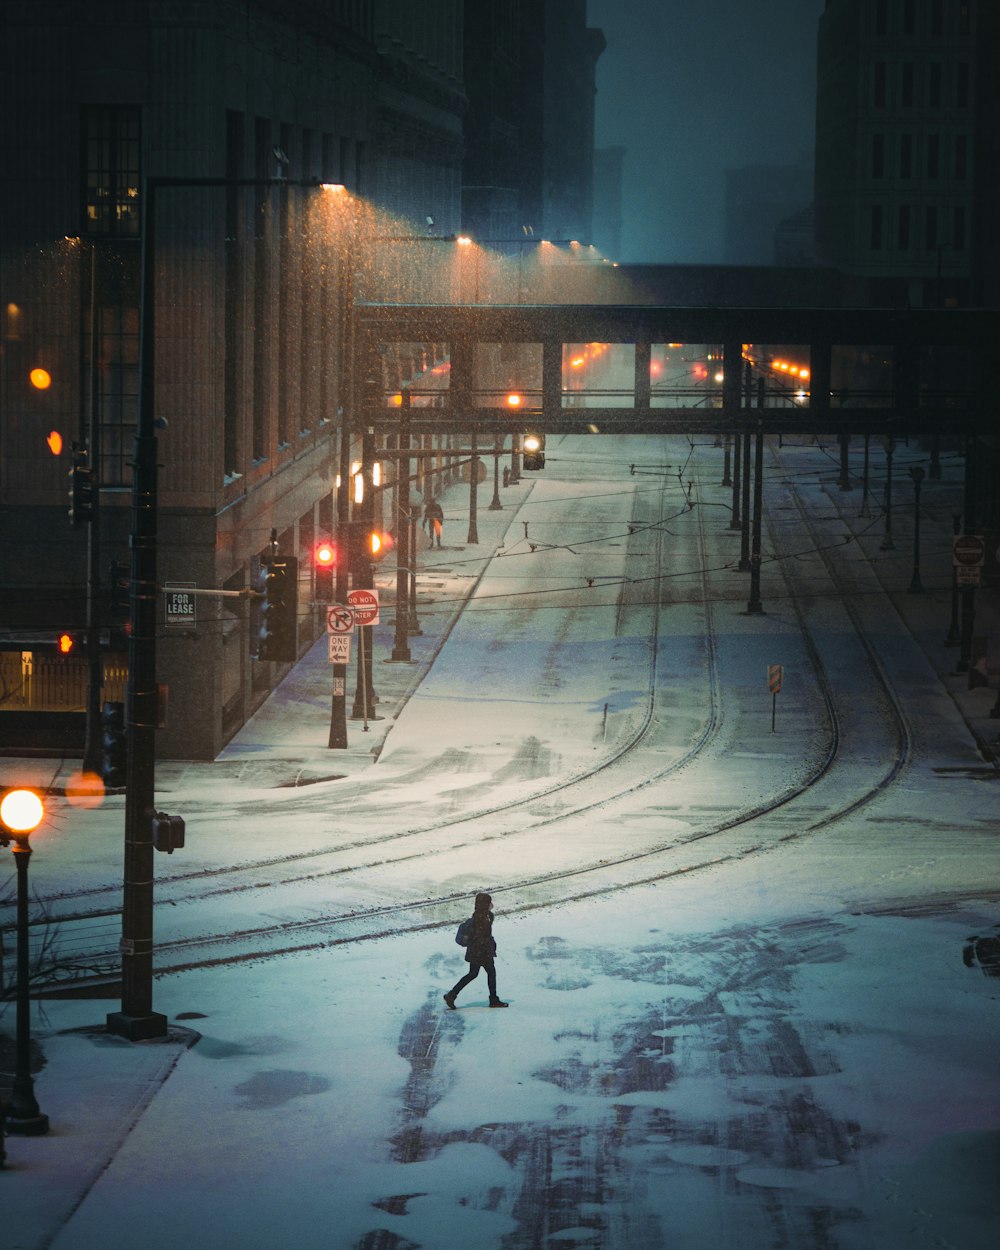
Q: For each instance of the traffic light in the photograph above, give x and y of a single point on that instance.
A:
(324, 563)
(533, 447)
(81, 488)
(168, 832)
(114, 744)
(278, 639)
(366, 545)
(67, 644)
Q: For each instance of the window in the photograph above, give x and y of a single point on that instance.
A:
(931, 228)
(903, 237)
(909, 17)
(961, 157)
(933, 156)
(111, 176)
(934, 84)
(906, 156)
(117, 381)
(876, 228)
(937, 17)
(906, 86)
(878, 156)
(881, 16)
(962, 84)
(958, 229)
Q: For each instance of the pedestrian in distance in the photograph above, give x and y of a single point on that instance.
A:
(476, 934)
(433, 520)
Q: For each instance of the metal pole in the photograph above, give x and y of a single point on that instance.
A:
(136, 1020)
(404, 556)
(754, 606)
(473, 491)
(734, 519)
(968, 596)
(864, 480)
(495, 504)
(916, 585)
(744, 564)
(92, 751)
(954, 636)
(887, 543)
(23, 1115)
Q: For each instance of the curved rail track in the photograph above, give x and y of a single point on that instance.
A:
(89, 933)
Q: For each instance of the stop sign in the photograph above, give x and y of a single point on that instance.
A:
(365, 605)
(969, 550)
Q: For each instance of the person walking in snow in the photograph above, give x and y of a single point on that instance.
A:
(433, 520)
(479, 953)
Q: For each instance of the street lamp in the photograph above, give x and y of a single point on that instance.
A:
(137, 1021)
(916, 585)
(21, 811)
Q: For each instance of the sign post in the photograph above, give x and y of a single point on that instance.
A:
(339, 627)
(364, 604)
(775, 672)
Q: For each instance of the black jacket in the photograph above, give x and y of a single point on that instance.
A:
(482, 947)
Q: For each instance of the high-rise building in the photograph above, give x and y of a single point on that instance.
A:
(900, 109)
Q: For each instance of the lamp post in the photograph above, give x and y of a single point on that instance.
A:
(136, 1020)
(887, 543)
(21, 811)
(916, 585)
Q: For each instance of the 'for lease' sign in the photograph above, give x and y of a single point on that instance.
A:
(179, 605)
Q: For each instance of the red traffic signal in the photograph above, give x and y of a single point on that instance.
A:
(325, 555)
(66, 644)
(324, 562)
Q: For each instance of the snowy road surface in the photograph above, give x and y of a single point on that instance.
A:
(740, 1014)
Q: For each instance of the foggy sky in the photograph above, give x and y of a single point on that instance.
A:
(692, 88)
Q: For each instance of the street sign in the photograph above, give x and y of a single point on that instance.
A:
(365, 605)
(968, 557)
(339, 648)
(339, 619)
(178, 605)
(775, 672)
(968, 550)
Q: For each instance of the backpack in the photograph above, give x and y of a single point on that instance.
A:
(464, 934)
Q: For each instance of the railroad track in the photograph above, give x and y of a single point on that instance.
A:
(295, 890)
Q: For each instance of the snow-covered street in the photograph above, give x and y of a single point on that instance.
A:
(749, 970)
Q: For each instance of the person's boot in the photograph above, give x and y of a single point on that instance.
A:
(449, 998)
(495, 1002)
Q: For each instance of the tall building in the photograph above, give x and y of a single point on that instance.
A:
(530, 73)
(900, 107)
(255, 275)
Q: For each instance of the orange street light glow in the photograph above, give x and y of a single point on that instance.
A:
(54, 441)
(21, 810)
(40, 379)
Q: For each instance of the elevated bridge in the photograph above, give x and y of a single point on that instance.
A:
(613, 369)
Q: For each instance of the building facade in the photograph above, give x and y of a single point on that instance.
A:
(901, 111)
(285, 141)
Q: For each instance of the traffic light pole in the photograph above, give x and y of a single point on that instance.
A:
(137, 1020)
(92, 750)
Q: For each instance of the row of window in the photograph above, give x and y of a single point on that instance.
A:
(918, 228)
(914, 17)
(935, 84)
(938, 156)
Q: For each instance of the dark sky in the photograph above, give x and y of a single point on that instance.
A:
(692, 88)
